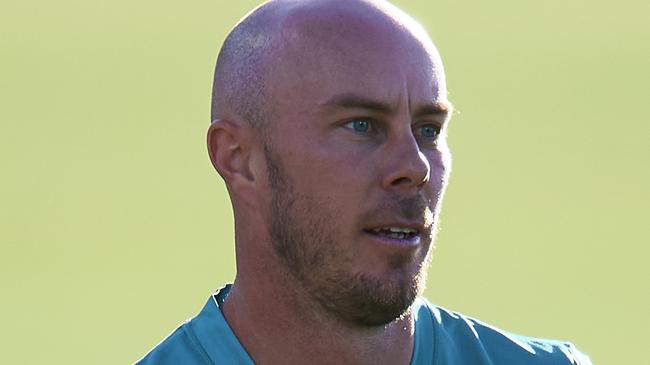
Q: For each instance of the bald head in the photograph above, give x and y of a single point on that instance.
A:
(271, 40)
(349, 114)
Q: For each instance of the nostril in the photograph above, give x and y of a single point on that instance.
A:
(408, 168)
(400, 181)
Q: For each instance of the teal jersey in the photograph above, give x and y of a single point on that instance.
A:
(442, 337)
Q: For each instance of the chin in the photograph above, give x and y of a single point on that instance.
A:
(368, 301)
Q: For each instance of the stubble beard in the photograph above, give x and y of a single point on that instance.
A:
(300, 228)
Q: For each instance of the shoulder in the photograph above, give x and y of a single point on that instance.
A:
(462, 339)
(180, 347)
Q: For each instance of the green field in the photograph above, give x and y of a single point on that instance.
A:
(114, 227)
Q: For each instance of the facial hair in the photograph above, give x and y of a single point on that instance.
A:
(303, 238)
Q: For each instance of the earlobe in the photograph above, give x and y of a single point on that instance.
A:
(229, 150)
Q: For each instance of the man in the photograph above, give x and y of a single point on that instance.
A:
(329, 128)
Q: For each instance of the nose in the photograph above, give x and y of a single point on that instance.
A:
(407, 167)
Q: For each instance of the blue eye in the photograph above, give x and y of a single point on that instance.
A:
(429, 131)
(358, 125)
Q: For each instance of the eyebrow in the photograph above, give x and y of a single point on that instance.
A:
(353, 101)
(435, 108)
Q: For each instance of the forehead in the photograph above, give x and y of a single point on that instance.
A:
(332, 53)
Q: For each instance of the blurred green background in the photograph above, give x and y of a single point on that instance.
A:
(114, 228)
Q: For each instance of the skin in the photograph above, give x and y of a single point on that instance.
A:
(352, 93)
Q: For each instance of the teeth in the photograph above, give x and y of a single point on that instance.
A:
(403, 230)
(395, 230)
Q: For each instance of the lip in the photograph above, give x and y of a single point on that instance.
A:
(410, 242)
(415, 225)
(406, 243)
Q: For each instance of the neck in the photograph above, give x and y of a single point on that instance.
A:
(279, 324)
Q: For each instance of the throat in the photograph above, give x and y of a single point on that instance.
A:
(292, 332)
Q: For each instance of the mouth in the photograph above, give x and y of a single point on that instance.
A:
(395, 235)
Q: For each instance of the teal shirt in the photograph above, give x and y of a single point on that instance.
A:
(441, 338)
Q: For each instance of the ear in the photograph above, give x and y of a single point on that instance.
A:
(229, 145)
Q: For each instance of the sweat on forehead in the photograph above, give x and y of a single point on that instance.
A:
(277, 34)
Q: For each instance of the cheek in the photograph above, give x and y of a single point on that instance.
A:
(335, 165)
(334, 177)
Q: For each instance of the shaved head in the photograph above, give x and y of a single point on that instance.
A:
(239, 86)
(278, 33)
(348, 108)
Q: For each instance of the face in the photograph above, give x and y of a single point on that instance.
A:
(357, 165)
